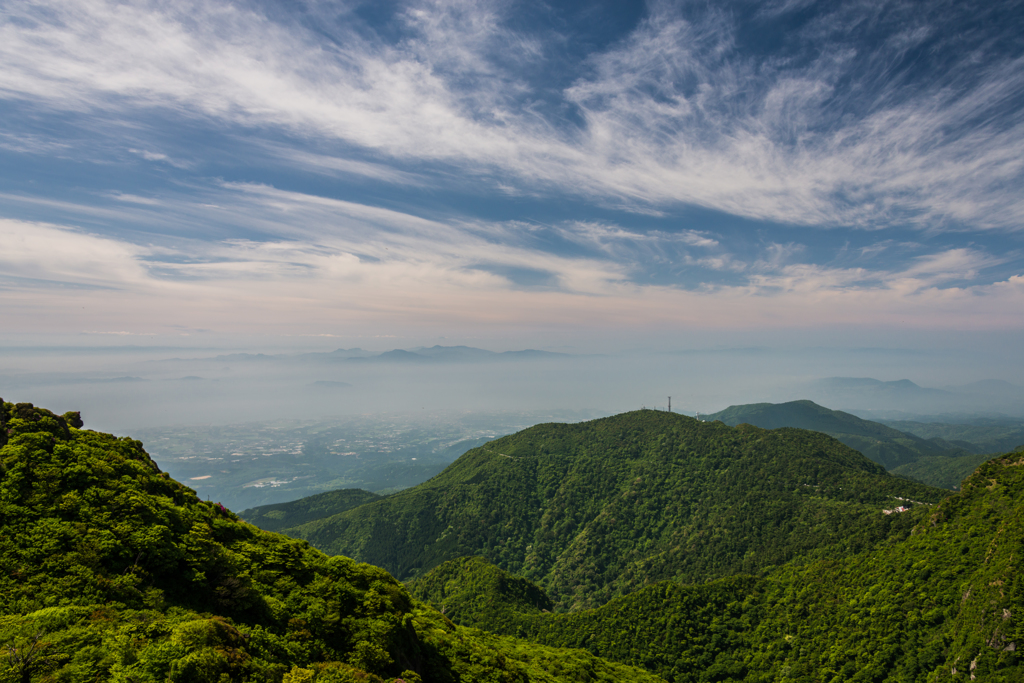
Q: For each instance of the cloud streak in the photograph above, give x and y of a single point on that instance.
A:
(337, 267)
(675, 113)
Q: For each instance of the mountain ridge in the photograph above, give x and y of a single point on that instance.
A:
(434, 354)
(597, 509)
(933, 461)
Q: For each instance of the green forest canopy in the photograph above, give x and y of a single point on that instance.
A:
(110, 570)
(599, 509)
(934, 461)
(941, 603)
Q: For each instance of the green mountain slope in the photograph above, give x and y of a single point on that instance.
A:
(598, 509)
(934, 461)
(280, 516)
(943, 471)
(112, 571)
(473, 592)
(943, 603)
(979, 435)
(887, 446)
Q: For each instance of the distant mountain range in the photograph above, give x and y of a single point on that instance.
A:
(903, 399)
(433, 354)
(934, 460)
(978, 435)
(887, 446)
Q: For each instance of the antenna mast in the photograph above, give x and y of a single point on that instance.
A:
(670, 404)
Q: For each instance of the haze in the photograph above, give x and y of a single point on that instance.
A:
(133, 387)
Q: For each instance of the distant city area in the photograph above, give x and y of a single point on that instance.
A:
(244, 465)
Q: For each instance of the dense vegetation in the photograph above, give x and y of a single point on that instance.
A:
(598, 509)
(279, 516)
(943, 603)
(888, 447)
(112, 571)
(978, 435)
(473, 592)
(943, 471)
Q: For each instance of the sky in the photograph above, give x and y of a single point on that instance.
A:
(583, 176)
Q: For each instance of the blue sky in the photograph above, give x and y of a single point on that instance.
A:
(513, 174)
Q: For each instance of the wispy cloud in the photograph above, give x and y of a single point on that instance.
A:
(134, 199)
(325, 163)
(452, 165)
(677, 112)
(58, 254)
(120, 333)
(32, 144)
(149, 155)
(365, 268)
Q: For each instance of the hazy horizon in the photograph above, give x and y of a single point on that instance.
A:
(120, 388)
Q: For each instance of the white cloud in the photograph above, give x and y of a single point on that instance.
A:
(149, 156)
(134, 199)
(32, 144)
(61, 255)
(953, 264)
(777, 256)
(338, 165)
(341, 262)
(675, 113)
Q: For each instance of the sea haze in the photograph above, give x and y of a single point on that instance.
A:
(124, 389)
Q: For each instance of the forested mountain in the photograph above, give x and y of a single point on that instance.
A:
(280, 516)
(888, 447)
(934, 461)
(977, 434)
(112, 571)
(942, 603)
(599, 509)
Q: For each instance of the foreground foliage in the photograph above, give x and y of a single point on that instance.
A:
(599, 509)
(110, 570)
